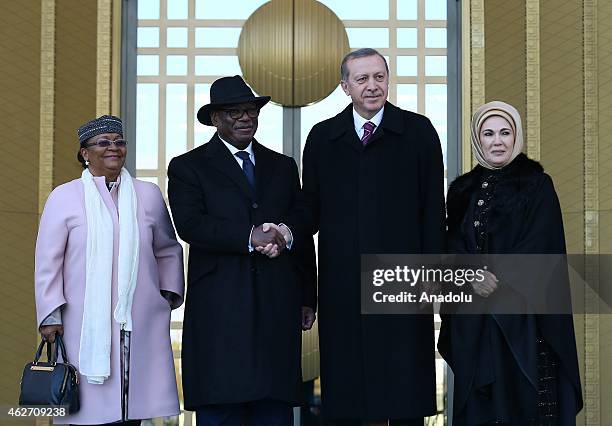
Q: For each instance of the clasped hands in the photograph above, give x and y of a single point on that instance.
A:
(270, 239)
(487, 286)
(483, 288)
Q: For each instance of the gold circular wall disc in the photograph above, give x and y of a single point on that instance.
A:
(291, 50)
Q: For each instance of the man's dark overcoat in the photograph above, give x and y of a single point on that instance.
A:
(386, 197)
(242, 324)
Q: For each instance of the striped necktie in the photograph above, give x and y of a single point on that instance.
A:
(368, 130)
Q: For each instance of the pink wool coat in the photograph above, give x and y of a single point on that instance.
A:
(60, 281)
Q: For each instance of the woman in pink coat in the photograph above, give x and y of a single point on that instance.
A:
(108, 272)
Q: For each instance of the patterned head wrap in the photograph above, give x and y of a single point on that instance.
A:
(505, 111)
(100, 125)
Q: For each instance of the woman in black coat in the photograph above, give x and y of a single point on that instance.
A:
(509, 369)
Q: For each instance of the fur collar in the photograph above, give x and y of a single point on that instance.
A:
(514, 178)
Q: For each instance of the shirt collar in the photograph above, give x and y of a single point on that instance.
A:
(234, 150)
(113, 186)
(109, 185)
(360, 121)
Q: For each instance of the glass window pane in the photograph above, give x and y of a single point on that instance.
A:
(407, 9)
(176, 65)
(176, 120)
(147, 124)
(177, 37)
(407, 66)
(175, 335)
(435, 9)
(148, 37)
(201, 133)
(178, 9)
(440, 386)
(326, 108)
(218, 9)
(368, 37)
(435, 65)
(148, 9)
(358, 9)
(217, 37)
(270, 128)
(147, 65)
(407, 38)
(435, 37)
(178, 313)
(217, 65)
(435, 110)
(407, 97)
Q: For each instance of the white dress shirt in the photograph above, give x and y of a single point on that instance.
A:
(234, 150)
(360, 121)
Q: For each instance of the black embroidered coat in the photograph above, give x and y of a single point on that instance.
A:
(494, 357)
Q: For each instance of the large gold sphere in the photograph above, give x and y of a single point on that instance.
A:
(291, 50)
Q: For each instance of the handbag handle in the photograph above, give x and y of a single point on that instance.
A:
(60, 349)
(43, 342)
(51, 356)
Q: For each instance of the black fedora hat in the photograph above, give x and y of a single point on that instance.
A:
(229, 91)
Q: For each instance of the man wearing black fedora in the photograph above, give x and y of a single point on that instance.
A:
(251, 272)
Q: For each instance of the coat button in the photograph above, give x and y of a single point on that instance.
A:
(255, 205)
(485, 184)
(480, 202)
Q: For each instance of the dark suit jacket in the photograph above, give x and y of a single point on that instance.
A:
(385, 198)
(242, 324)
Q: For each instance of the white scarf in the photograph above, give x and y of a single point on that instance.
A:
(95, 348)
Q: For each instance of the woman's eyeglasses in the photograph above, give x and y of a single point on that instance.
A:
(105, 143)
(237, 113)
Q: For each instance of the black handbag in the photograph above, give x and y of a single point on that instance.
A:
(50, 383)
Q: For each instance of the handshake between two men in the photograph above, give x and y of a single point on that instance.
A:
(270, 239)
